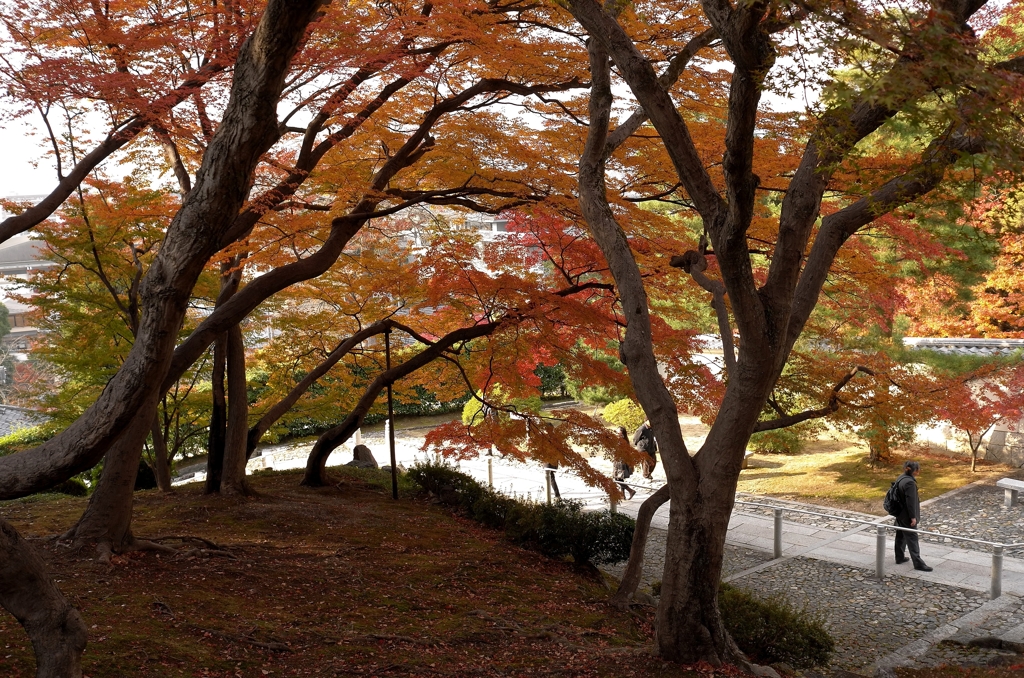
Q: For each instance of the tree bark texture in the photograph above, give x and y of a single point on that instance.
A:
(218, 418)
(161, 460)
(247, 130)
(107, 520)
(233, 481)
(26, 591)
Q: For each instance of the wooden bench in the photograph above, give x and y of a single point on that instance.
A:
(1012, 487)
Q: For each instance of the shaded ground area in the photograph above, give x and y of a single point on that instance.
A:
(338, 581)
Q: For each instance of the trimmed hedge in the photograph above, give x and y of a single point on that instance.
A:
(770, 631)
(557, 530)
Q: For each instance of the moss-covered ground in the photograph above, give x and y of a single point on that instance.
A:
(338, 581)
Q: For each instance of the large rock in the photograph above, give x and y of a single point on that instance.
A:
(362, 458)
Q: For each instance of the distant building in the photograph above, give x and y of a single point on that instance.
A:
(1004, 445)
(19, 257)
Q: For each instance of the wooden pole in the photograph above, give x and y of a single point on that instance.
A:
(391, 416)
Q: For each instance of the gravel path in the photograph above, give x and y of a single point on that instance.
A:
(834, 519)
(868, 619)
(977, 512)
(737, 559)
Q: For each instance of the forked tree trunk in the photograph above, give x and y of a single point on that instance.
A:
(107, 520)
(55, 628)
(162, 462)
(218, 418)
(233, 481)
(635, 565)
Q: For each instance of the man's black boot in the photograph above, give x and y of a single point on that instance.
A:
(922, 567)
(901, 559)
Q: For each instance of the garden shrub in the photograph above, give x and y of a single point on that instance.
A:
(778, 441)
(770, 631)
(23, 439)
(73, 487)
(560, 529)
(624, 413)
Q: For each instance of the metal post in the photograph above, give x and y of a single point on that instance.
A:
(391, 416)
(490, 472)
(996, 589)
(778, 533)
(880, 553)
(547, 481)
(614, 501)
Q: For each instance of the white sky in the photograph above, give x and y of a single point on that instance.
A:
(18, 149)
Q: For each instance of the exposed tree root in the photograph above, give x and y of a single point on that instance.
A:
(188, 537)
(55, 628)
(274, 646)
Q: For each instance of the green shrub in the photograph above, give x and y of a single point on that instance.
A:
(560, 529)
(73, 487)
(23, 439)
(624, 413)
(779, 441)
(772, 630)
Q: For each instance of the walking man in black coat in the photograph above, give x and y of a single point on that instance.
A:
(645, 441)
(909, 516)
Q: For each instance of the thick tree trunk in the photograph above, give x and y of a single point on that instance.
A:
(689, 625)
(233, 480)
(161, 461)
(635, 566)
(248, 129)
(107, 520)
(218, 418)
(55, 628)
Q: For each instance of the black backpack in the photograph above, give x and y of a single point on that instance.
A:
(893, 502)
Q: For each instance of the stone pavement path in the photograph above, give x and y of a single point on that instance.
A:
(828, 568)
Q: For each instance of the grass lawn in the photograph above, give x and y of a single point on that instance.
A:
(836, 473)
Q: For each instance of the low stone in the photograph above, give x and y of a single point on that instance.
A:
(362, 464)
(362, 453)
(768, 671)
(387, 468)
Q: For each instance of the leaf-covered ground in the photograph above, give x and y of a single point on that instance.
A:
(341, 581)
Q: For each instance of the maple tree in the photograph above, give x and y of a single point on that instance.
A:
(408, 105)
(87, 306)
(772, 266)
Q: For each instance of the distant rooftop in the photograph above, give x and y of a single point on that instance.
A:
(964, 346)
(14, 418)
